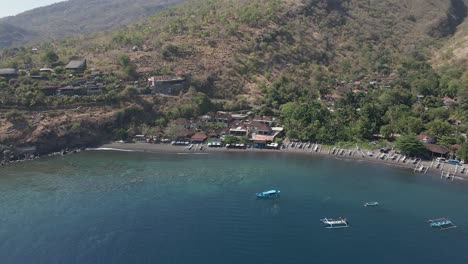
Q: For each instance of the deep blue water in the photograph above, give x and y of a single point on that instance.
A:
(119, 207)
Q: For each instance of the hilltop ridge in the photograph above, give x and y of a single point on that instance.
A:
(73, 17)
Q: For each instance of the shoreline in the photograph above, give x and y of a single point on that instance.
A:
(451, 172)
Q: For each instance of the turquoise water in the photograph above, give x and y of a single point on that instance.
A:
(121, 207)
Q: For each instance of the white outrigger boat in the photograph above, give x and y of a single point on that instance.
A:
(335, 222)
(370, 204)
(271, 194)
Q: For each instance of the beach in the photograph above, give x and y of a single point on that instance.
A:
(444, 170)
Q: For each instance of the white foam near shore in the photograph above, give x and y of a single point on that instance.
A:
(113, 149)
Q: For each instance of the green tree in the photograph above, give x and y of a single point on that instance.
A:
(231, 140)
(463, 152)
(439, 128)
(410, 145)
(49, 57)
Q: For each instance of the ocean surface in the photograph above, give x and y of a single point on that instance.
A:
(129, 207)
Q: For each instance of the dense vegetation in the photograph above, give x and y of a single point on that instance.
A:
(333, 71)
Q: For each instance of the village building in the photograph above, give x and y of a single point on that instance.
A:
(71, 91)
(49, 90)
(93, 90)
(239, 130)
(427, 139)
(270, 121)
(46, 70)
(77, 65)
(8, 73)
(448, 101)
(199, 138)
(260, 128)
(436, 150)
(168, 85)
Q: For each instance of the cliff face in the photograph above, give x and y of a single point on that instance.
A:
(86, 135)
(51, 131)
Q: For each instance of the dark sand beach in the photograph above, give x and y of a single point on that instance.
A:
(418, 166)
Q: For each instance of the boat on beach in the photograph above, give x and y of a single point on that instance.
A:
(271, 194)
(371, 204)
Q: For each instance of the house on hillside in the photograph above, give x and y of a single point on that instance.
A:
(93, 90)
(168, 85)
(71, 91)
(77, 65)
(49, 90)
(8, 73)
(448, 102)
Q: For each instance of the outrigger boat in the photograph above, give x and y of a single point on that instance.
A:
(371, 204)
(441, 223)
(335, 222)
(271, 194)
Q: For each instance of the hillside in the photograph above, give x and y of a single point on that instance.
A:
(234, 48)
(332, 71)
(74, 17)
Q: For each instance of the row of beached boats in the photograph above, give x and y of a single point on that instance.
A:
(439, 223)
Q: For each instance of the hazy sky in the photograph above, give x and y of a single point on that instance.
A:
(14, 7)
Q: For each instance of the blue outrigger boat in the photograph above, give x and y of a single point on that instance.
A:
(441, 223)
(271, 194)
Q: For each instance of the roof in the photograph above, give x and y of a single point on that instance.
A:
(424, 137)
(436, 148)
(182, 121)
(164, 78)
(264, 118)
(257, 137)
(238, 128)
(260, 126)
(199, 136)
(76, 64)
(8, 71)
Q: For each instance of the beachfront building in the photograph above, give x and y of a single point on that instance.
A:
(436, 150)
(199, 138)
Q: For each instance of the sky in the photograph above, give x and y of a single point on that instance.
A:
(14, 7)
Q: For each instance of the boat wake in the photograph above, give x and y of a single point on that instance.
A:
(196, 153)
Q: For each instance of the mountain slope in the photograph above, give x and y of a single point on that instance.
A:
(11, 35)
(238, 47)
(77, 17)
